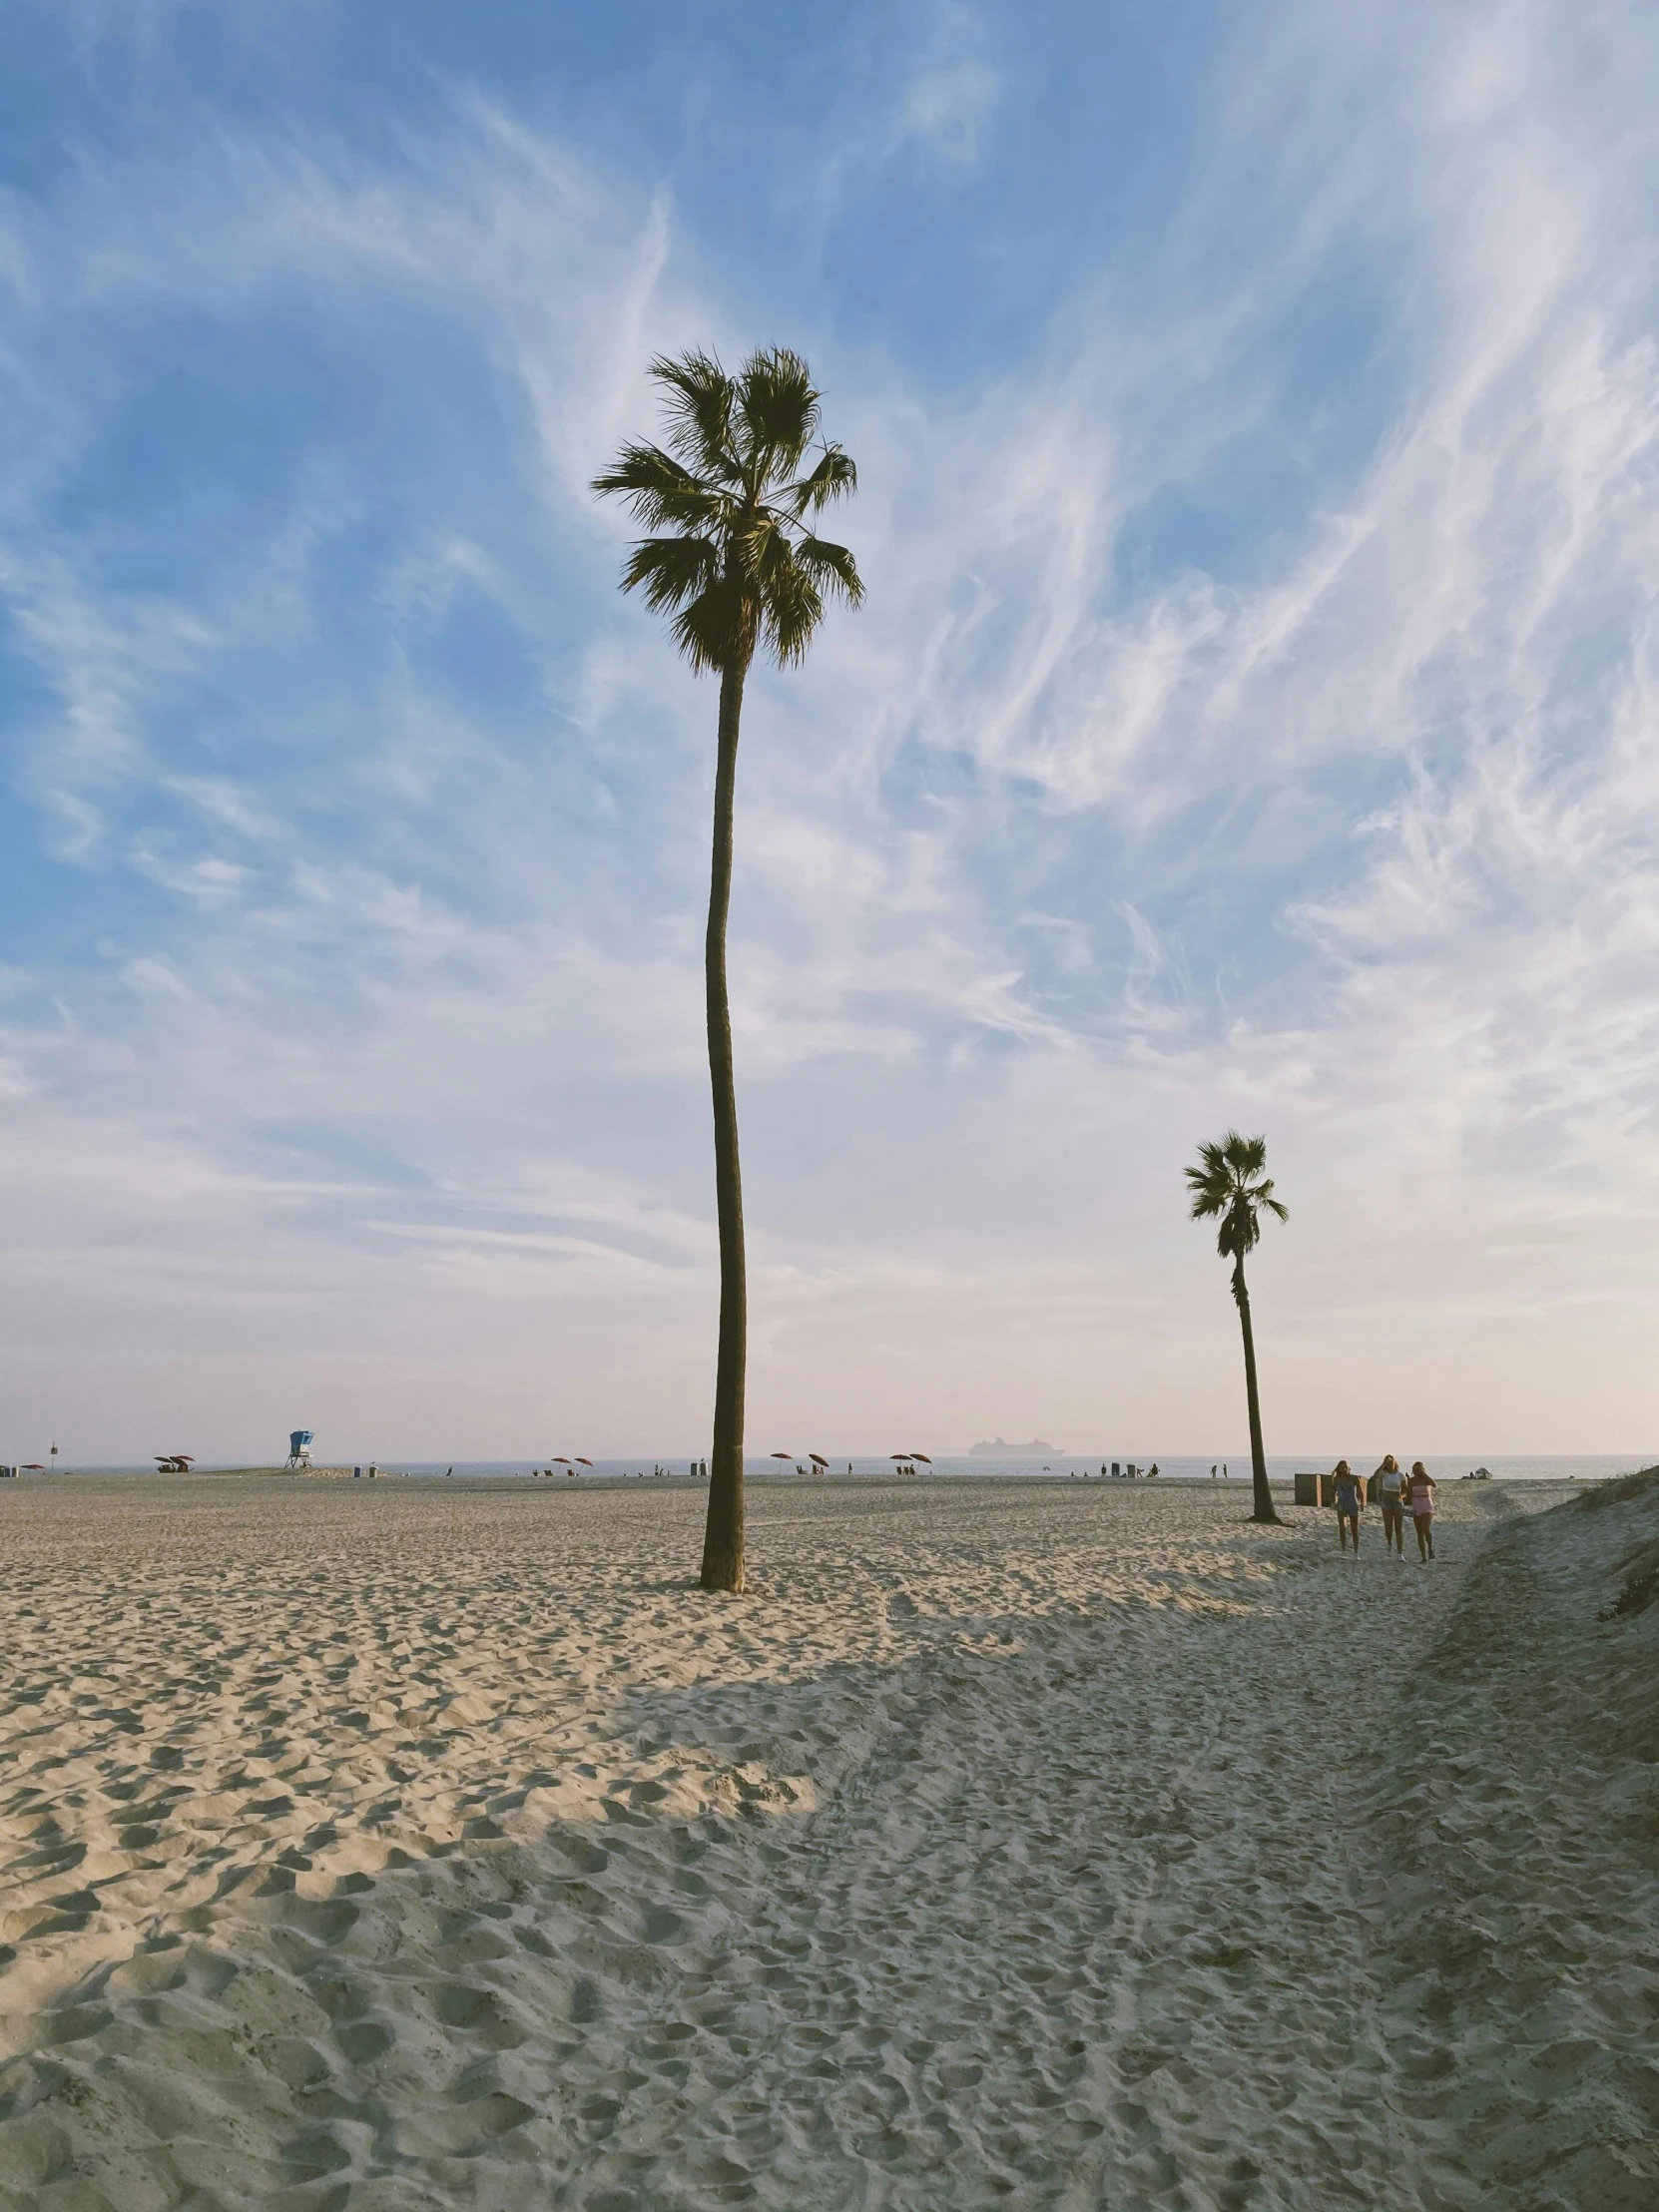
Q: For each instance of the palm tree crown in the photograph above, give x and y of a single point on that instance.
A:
(1229, 1184)
(734, 559)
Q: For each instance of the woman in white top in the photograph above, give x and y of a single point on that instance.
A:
(1390, 1485)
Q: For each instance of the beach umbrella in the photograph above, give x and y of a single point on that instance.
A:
(922, 1456)
(581, 1463)
(818, 1458)
(782, 1455)
(32, 1466)
(901, 1454)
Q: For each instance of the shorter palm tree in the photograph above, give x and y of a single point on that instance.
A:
(1229, 1185)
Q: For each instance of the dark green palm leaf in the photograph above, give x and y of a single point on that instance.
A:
(835, 477)
(704, 631)
(794, 611)
(832, 568)
(701, 400)
(671, 570)
(778, 411)
(659, 492)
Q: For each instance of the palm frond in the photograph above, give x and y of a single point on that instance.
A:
(671, 570)
(659, 492)
(1246, 1156)
(753, 539)
(715, 630)
(700, 399)
(1211, 1181)
(836, 477)
(778, 410)
(1241, 1232)
(791, 608)
(832, 568)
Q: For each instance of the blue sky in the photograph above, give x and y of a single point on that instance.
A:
(1251, 721)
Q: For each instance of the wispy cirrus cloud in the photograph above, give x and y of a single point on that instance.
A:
(925, 95)
(950, 92)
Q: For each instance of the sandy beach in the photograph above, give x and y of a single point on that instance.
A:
(440, 1846)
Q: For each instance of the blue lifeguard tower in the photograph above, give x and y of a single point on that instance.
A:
(299, 1447)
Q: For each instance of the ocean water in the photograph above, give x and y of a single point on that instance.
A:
(1445, 1466)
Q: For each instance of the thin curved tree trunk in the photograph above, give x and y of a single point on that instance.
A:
(723, 1531)
(1263, 1496)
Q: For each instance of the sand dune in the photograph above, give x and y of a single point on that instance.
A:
(439, 1846)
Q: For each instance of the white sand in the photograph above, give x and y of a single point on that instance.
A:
(437, 1846)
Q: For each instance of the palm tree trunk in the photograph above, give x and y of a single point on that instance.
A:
(1262, 1495)
(722, 1531)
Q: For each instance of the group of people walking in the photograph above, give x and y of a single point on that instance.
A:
(1397, 1494)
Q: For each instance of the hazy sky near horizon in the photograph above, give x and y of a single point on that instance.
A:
(1253, 722)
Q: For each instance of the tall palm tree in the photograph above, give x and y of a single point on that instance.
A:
(1229, 1185)
(733, 559)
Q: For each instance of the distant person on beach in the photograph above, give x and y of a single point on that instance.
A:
(1422, 1510)
(1349, 1498)
(1390, 1486)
